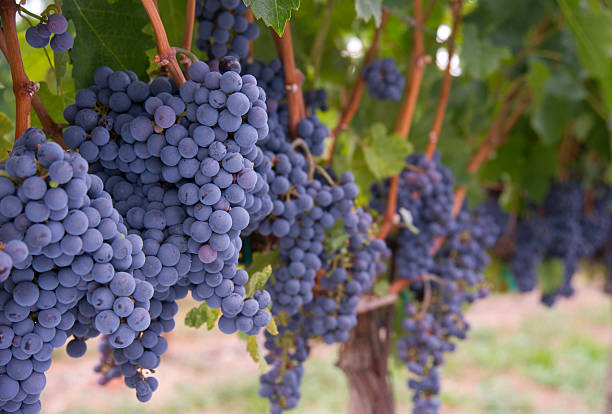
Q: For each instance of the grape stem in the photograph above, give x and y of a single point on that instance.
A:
(404, 119)
(166, 54)
(324, 173)
(186, 55)
(22, 86)
(434, 134)
(188, 33)
(250, 18)
(352, 104)
(51, 128)
(299, 142)
(29, 13)
(284, 46)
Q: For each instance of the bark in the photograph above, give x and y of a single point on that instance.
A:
(363, 358)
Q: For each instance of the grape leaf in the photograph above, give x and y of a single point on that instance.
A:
(385, 153)
(255, 352)
(549, 118)
(201, 315)
(369, 8)
(479, 56)
(363, 176)
(6, 134)
(60, 62)
(55, 104)
(6, 125)
(108, 34)
(261, 260)
(173, 15)
(593, 34)
(257, 280)
(537, 76)
(335, 237)
(274, 13)
(344, 151)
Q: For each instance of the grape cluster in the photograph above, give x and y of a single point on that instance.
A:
(287, 353)
(52, 31)
(562, 228)
(302, 242)
(332, 314)
(457, 280)
(73, 266)
(425, 200)
(181, 166)
(304, 212)
(224, 29)
(347, 272)
(270, 77)
(384, 80)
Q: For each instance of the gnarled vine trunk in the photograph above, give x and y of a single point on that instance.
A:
(363, 358)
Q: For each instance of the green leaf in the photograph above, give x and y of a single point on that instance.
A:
(60, 62)
(55, 104)
(537, 76)
(479, 56)
(592, 31)
(335, 237)
(550, 275)
(201, 315)
(385, 153)
(6, 125)
(565, 86)
(344, 152)
(255, 352)
(363, 176)
(369, 8)
(583, 124)
(257, 280)
(6, 134)
(274, 13)
(172, 13)
(549, 119)
(108, 34)
(261, 260)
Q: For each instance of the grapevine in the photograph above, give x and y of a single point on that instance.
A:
(224, 150)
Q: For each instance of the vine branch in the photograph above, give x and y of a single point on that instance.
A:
(166, 53)
(284, 46)
(250, 18)
(50, 127)
(188, 32)
(406, 113)
(23, 88)
(434, 134)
